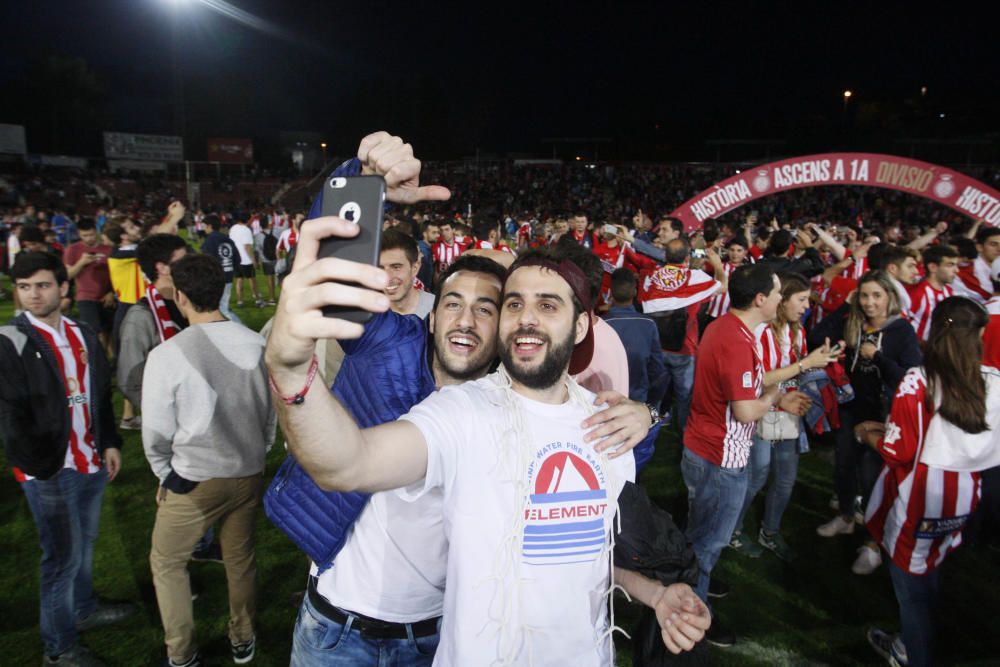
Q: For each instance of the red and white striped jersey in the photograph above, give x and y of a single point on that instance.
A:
(718, 305)
(612, 258)
(923, 299)
(287, 241)
(917, 513)
(445, 253)
(70, 352)
(818, 289)
(857, 269)
(776, 353)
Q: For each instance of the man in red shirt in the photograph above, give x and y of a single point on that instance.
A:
(941, 262)
(729, 397)
(447, 249)
(87, 262)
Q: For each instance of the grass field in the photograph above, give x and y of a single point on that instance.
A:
(811, 612)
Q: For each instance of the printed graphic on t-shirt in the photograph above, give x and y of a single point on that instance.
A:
(564, 521)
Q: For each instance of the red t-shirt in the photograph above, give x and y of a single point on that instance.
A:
(729, 368)
(93, 281)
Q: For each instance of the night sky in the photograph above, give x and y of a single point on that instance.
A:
(657, 79)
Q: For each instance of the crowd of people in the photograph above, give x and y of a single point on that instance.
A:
(494, 414)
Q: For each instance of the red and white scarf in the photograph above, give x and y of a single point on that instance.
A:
(671, 287)
(165, 325)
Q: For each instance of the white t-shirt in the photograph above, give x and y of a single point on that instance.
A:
(425, 305)
(242, 237)
(528, 522)
(393, 565)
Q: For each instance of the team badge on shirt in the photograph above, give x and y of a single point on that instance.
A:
(747, 380)
(564, 520)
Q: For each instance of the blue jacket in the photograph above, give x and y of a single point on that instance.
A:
(642, 347)
(384, 374)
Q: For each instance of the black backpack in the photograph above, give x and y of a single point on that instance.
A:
(270, 247)
(672, 325)
(651, 544)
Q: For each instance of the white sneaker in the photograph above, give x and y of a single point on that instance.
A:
(836, 526)
(867, 561)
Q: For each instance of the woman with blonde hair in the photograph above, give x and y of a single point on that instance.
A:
(880, 347)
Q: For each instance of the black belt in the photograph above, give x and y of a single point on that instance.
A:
(370, 628)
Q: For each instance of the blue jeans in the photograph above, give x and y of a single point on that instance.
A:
(67, 512)
(915, 595)
(224, 308)
(715, 497)
(679, 377)
(322, 642)
(783, 457)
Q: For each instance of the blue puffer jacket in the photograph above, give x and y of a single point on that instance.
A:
(384, 374)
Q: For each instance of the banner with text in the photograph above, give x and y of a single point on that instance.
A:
(230, 150)
(940, 184)
(127, 146)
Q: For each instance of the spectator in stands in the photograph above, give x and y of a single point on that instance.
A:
(881, 346)
(206, 446)
(221, 247)
(640, 337)
(87, 263)
(63, 457)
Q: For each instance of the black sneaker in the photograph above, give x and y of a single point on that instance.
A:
(717, 588)
(719, 634)
(78, 656)
(195, 661)
(887, 645)
(210, 554)
(243, 652)
(106, 614)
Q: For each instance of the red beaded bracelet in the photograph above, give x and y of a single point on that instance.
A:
(299, 398)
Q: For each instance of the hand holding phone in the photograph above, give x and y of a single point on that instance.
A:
(359, 200)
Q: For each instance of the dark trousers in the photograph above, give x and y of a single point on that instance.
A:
(915, 595)
(856, 466)
(67, 512)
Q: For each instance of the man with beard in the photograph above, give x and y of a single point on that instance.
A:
(509, 454)
(382, 600)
